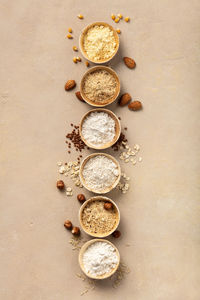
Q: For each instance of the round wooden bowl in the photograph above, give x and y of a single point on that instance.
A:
(84, 32)
(83, 249)
(83, 180)
(111, 100)
(117, 128)
(99, 198)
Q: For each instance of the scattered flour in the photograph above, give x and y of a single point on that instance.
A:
(98, 128)
(100, 173)
(100, 258)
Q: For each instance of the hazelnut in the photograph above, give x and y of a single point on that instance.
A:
(75, 230)
(68, 224)
(81, 198)
(60, 184)
(108, 205)
(116, 234)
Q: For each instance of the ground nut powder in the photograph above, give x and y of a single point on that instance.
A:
(99, 43)
(100, 173)
(98, 220)
(98, 128)
(100, 258)
(99, 86)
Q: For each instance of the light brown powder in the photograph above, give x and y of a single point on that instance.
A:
(99, 86)
(96, 219)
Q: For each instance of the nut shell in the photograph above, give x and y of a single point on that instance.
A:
(81, 198)
(60, 184)
(116, 234)
(68, 224)
(124, 99)
(108, 205)
(75, 230)
(79, 97)
(69, 85)
(135, 105)
(129, 62)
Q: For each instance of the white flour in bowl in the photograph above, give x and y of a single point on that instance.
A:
(100, 258)
(100, 173)
(98, 128)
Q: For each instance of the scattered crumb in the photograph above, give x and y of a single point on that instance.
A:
(120, 274)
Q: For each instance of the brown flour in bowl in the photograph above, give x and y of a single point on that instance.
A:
(99, 86)
(98, 220)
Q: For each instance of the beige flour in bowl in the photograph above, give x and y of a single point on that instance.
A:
(99, 86)
(98, 221)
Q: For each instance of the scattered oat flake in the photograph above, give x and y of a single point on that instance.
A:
(84, 292)
(62, 170)
(136, 147)
(140, 159)
(59, 163)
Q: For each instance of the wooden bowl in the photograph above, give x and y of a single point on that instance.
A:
(83, 180)
(84, 32)
(111, 100)
(99, 198)
(83, 249)
(117, 128)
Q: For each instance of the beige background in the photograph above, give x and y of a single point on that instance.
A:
(160, 214)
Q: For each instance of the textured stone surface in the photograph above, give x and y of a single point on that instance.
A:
(160, 216)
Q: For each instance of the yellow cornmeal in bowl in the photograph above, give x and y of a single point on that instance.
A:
(97, 220)
(99, 43)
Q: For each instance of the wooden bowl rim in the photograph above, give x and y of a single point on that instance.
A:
(111, 100)
(81, 38)
(82, 250)
(98, 198)
(117, 132)
(84, 162)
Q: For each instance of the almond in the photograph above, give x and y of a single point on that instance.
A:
(129, 62)
(135, 105)
(124, 99)
(70, 84)
(78, 95)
